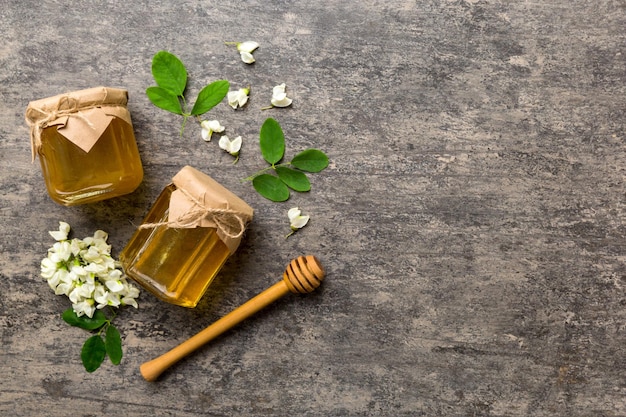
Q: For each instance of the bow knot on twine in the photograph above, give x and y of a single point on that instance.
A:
(230, 223)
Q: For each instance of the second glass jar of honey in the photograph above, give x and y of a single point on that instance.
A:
(86, 145)
(193, 227)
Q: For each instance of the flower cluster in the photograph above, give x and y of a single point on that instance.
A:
(85, 272)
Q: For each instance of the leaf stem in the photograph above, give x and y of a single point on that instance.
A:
(256, 174)
(108, 321)
(185, 109)
(182, 127)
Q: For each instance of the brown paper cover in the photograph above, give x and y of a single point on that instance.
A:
(200, 201)
(80, 116)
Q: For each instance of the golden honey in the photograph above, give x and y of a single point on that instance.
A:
(86, 145)
(177, 264)
(110, 169)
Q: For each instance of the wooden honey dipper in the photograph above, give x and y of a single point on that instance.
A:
(303, 275)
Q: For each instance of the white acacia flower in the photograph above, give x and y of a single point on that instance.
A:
(85, 272)
(60, 251)
(101, 296)
(79, 272)
(114, 286)
(129, 301)
(48, 268)
(84, 308)
(238, 98)
(81, 292)
(129, 296)
(296, 220)
(101, 235)
(231, 146)
(66, 284)
(92, 255)
(245, 51)
(210, 126)
(279, 96)
(61, 234)
(97, 269)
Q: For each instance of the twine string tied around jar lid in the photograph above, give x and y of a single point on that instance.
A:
(229, 222)
(40, 118)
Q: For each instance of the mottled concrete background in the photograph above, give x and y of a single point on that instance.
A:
(471, 220)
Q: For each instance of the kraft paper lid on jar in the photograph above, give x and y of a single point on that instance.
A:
(192, 228)
(86, 145)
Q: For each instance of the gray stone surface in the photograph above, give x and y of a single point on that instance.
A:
(471, 220)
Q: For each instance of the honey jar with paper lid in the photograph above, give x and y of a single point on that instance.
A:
(191, 230)
(86, 145)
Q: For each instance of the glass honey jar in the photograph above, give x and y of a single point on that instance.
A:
(86, 145)
(192, 228)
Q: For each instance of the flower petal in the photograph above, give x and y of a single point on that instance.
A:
(247, 46)
(236, 144)
(114, 286)
(285, 102)
(279, 90)
(216, 126)
(224, 143)
(61, 234)
(232, 98)
(293, 213)
(299, 222)
(247, 57)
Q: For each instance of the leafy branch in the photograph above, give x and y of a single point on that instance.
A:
(288, 174)
(106, 342)
(170, 76)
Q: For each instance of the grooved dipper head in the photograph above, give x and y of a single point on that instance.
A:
(304, 274)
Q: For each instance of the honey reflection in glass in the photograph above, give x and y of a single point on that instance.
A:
(110, 169)
(175, 264)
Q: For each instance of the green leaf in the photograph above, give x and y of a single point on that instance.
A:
(84, 322)
(169, 72)
(310, 160)
(272, 141)
(210, 96)
(296, 180)
(164, 99)
(93, 353)
(113, 344)
(270, 187)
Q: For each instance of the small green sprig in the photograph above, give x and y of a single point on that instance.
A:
(288, 174)
(170, 75)
(105, 342)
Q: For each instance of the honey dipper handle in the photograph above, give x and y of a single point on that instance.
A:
(152, 369)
